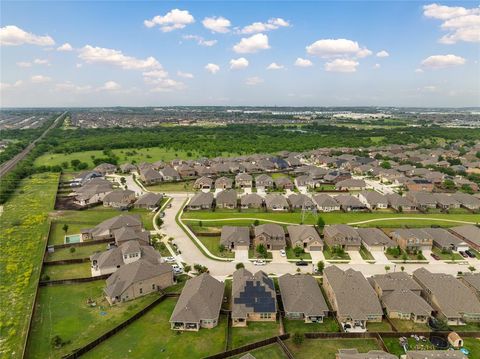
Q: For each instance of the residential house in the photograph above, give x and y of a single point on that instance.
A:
(305, 181)
(251, 200)
(351, 185)
(235, 237)
(373, 200)
(301, 201)
(149, 176)
(445, 201)
(276, 202)
(302, 298)
(203, 183)
(201, 200)
(243, 180)
(199, 304)
(169, 174)
(472, 281)
(105, 169)
(399, 203)
(223, 183)
(185, 170)
(271, 235)
(92, 192)
(435, 354)
(352, 298)
(342, 235)
(467, 201)
(84, 177)
(253, 298)
(263, 181)
(468, 233)
(375, 240)
(119, 199)
(284, 183)
(452, 300)
(137, 279)
(127, 168)
(149, 201)
(305, 237)
(226, 199)
(326, 203)
(422, 200)
(107, 229)
(419, 184)
(445, 240)
(412, 239)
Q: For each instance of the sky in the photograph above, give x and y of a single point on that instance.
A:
(315, 53)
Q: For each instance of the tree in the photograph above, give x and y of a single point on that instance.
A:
(297, 338)
(221, 248)
(320, 222)
(448, 184)
(387, 268)
(65, 228)
(472, 269)
(298, 251)
(404, 257)
(72, 249)
(256, 222)
(187, 268)
(320, 267)
(200, 223)
(123, 180)
(466, 188)
(386, 165)
(261, 250)
(402, 268)
(56, 342)
(239, 265)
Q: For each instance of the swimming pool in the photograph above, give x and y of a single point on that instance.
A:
(74, 238)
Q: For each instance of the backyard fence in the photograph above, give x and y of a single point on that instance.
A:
(47, 283)
(82, 244)
(66, 261)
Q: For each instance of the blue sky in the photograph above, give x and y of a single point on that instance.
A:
(341, 53)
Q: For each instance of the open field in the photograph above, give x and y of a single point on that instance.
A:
(273, 351)
(151, 337)
(376, 219)
(66, 271)
(299, 326)
(23, 233)
(63, 310)
(254, 332)
(327, 348)
(130, 155)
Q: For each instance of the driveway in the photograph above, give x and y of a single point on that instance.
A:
(261, 191)
(356, 257)
(241, 255)
(303, 189)
(380, 257)
(130, 183)
(277, 258)
(317, 256)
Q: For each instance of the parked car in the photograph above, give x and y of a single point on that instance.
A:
(470, 253)
(259, 262)
(301, 263)
(463, 254)
(170, 259)
(283, 253)
(435, 256)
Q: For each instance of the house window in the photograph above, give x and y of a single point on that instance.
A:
(141, 290)
(153, 286)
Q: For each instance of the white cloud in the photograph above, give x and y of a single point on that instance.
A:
(376, 66)
(252, 44)
(382, 53)
(160, 82)
(275, 66)
(327, 48)
(442, 61)
(217, 24)
(12, 35)
(78, 66)
(271, 24)
(303, 62)
(70, 87)
(341, 65)
(418, 71)
(212, 68)
(65, 47)
(91, 54)
(240, 63)
(200, 40)
(24, 64)
(38, 79)
(186, 75)
(463, 24)
(252, 81)
(173, 20)
(6, 85)
(429, 88)
(41, 62)
(110, 86)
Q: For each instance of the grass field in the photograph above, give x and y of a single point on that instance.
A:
(447, 256)
(67, 271)
(409, 326)
(151, 337)
(394, 347)
(382, 326)
(299, 326)
(184, 186)
(150, 154)
(23, 233)
(472, 344)
(212, 244)
(273, 351)
(327, 348)
(80, 252)
(327, 252)
(335, 218)
(254, 332)
(62, 310)
(291, 254)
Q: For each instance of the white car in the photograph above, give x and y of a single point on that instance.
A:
(283, 253)
(177, 269)
(259, 262)
(170, 259)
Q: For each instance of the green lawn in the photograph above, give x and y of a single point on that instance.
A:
(252, 254)
(80, 252)
(447, 256)
(327, 252)
(177, 288)
(62, 310)
(366, 255)
(382, 326)
(334, 218)
(299, 326)
(151, 337)
(469, 327)
(394, 347)
(67, 271)
(212, 245)
(184, 186)
(272, 351)
(23, 233)
(291, 254)
(327, 348)
(409, 326)
(254, 332)
(473, 345)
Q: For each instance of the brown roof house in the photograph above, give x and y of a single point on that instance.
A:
(199, 304)
(203, 183)
(352, 297)
(399, 203)
(326, 203)
(301, 201)
(92, 192)
(284, 183)
(234, 237)
(276, 202)
(149, 201)
(253, 298)
(452, 300)
(107, 229)
(412, 239)
(226, 199)
(472, 281)
(119, 198)
(149, 176)
(201, 200)
(373, 200)
(243, 180)
(468, 233)
(271, 235)
(105, 168)
(302, 298)
(251, 200)
(137, 279)
(305, 237)
(342, 235)
(223, 183)
(263, 181)
(169, 174)
(445, 240)
(351, 184)
(422, 200)
(375, 240)
(349, 203)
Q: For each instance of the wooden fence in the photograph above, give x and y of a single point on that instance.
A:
(47, 283)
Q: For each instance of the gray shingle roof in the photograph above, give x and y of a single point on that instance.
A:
(301, 294)
(252, 293)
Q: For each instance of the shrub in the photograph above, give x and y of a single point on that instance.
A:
(320, 267)
(297, 338)
(239, 265)
(72, 249)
